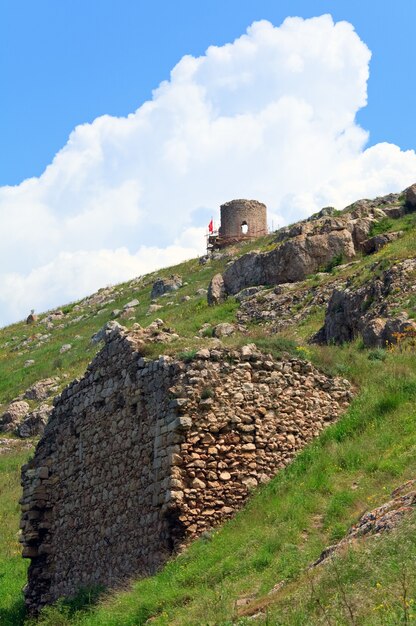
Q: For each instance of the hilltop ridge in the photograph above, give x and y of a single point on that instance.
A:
(362, 297)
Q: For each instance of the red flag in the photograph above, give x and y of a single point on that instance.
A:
(211, 227)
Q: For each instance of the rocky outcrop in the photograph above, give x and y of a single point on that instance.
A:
(42, 389)
(293, 261)
(344, 322)
(374, 244)
(287, 304)
(156, 332)
(382, 519)
(368, 310)
(307, 247)
(410, 196)
(165, 285)
(141, 456)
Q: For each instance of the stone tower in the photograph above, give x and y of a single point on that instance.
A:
(243, 219)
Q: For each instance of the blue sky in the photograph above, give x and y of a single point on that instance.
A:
(124, 125)
(65, 62)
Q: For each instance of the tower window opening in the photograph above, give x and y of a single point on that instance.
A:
(244, 228)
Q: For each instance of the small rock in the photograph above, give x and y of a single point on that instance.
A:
(223, 330)
(197, 484)
(106, 332)
(203, 354)
(250, 482)
(65, 348)
(131, 304)
(153, 308)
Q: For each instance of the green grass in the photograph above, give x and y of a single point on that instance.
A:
(381, 226)
(12, 566)
(351, 467)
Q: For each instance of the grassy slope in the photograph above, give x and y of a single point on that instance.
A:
(352, 467)
(12, 566)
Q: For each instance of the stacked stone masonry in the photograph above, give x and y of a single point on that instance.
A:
(141, 456)
(237, 214)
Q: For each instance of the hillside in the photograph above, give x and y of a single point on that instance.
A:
(227, 576)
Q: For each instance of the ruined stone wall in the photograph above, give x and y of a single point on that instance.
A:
(238, 212)
(91, 500)
(248, 416)
(139, 457)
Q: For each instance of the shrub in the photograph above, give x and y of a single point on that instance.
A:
(188, 355)
(380, 227)
(206, 393)
(336, 260)
(377, 355)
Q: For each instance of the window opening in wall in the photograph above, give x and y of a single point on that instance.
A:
(244, 228)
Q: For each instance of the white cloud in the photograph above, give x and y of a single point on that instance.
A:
(270, 116)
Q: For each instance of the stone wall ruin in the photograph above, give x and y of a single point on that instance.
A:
(141, 456)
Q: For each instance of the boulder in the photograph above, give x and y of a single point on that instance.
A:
(14, 414)
(165, 285)
(341, 318)
(131, 304)
(394, 212)
(398, 327)
(373, 333)
(216, 292)
(35, 422)
(410, 196)
(247, 271)
(293, 261)
(360, 229)
(365, 310)
(153, 308)
(374, 244)
(42, 389)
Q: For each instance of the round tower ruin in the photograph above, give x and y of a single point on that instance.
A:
(242, 219)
